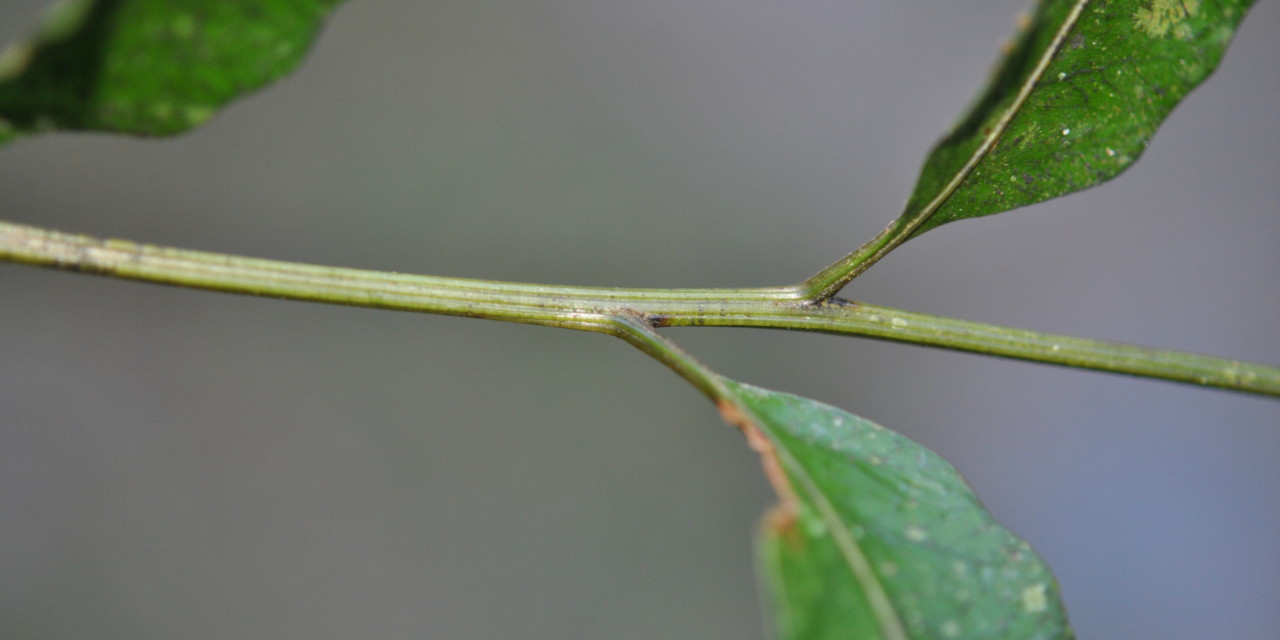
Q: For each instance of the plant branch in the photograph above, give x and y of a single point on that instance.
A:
(854, 318)
(598, 309)
(825, 284)
(640, 332)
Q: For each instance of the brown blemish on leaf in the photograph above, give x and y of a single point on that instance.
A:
(780, 522)
(1022, 22)
(782, 516)
(1164, 15)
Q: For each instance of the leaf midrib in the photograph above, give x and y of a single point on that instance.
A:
(829, 281)
(882, 606)
(914, 220)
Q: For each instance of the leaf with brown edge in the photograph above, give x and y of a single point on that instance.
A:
(880, 538)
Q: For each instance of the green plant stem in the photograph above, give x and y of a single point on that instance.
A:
(640, 332)
(597, 309)
(825, 284)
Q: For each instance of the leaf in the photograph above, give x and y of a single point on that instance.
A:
(1074, 103)
(149, 67)
(880, 538)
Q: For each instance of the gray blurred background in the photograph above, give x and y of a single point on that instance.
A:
(181, 464)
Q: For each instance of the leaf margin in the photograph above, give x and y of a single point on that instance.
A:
(792, 518)
(149, 68)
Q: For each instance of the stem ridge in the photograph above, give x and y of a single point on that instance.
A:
(603, 309)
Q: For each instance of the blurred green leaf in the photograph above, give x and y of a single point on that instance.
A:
(879, 538)
(1073, 103)
(149, 67)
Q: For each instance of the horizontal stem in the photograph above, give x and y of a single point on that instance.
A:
(597, 309)
(845, 317)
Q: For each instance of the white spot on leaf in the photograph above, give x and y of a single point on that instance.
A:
(950, 629)
(1034, 599)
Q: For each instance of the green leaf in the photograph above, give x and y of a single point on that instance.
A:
(149, 67)
(1073, 103)
(879, 538)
